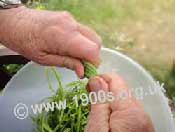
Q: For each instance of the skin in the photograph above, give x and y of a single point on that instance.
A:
(121, 115)
(49, 38)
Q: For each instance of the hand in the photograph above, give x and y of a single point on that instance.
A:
(121, 115)
(50, 38)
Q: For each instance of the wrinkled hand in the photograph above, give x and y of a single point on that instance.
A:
(51, 38)
(121, 115)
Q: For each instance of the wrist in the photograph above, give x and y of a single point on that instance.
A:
(9, 24)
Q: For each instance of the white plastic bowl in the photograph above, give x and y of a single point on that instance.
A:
(29, 86)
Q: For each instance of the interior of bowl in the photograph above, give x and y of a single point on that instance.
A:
(29, 86)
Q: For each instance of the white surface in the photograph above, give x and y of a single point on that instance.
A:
(29, 86)
(6, 51)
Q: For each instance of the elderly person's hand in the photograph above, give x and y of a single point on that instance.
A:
(121, 115)
(49, 38)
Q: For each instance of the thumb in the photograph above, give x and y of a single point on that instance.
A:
(96, 84)
(99, 115)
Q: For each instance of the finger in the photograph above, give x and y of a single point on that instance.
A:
(119, 87)
(116, 83)
(98, 119)
(64, 61)
(96, 84)
(123, 97)
(90, 34)
(80, 47)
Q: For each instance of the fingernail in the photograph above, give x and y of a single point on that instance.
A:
(95, 84)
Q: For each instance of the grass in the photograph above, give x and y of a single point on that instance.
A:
(71, 118)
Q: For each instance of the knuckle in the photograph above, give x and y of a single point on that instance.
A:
(76, 64)
(110, 79)
(40, 59)
(95, 50)
(107, 77)
(69, 63)
(64, 62)
(66, 14)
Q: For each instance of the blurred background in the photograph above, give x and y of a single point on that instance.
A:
(142, 29)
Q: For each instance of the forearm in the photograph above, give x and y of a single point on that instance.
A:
(9, 26)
